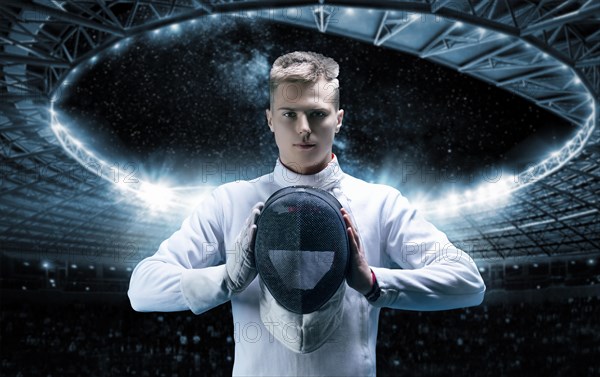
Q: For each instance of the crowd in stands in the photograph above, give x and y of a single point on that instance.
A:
(110, 339)
(547, 339)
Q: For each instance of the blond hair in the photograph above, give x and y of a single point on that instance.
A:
(304, 67)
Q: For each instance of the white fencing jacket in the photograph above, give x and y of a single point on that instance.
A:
(416, 266)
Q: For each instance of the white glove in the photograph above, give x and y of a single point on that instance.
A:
(241, 268)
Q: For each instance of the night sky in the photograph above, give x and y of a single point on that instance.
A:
(174, 101)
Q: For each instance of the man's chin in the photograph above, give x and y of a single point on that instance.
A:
(306, 165)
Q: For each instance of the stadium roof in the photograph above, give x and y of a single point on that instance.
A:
(58, 200)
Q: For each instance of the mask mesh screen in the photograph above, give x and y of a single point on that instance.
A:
(301, 248)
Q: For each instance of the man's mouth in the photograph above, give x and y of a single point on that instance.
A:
(304, 145)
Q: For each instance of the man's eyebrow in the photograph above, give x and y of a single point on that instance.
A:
(311, 109)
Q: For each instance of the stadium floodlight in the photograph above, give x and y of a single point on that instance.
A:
(497, 193)
(481, 193)
(122, 185)
(487, 193)
(453, 199)
(155, 196)
(501, 188)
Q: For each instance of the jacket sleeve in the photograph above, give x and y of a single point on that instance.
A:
(187, 271)
(433, 273)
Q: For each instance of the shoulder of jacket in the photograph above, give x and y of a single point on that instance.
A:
(243, 188)
(377, 188)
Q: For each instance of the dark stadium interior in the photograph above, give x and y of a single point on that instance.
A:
(68, 321)
(106, 338)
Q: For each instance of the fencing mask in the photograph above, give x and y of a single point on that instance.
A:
(302, 254)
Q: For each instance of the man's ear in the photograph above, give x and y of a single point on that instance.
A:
(340, 116)
(269, 119)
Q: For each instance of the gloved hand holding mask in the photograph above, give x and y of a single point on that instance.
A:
(241, 268)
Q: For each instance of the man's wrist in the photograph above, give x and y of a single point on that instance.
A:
(375, 291)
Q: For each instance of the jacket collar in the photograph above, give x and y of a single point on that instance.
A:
(325, 179)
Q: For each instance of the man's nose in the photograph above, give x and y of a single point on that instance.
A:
(302, 125)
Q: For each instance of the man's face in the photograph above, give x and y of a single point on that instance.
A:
(304, 120)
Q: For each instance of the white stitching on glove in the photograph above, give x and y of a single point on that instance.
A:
(241, 267)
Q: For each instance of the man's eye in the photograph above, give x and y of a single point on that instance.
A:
(289, 115)
(319, 114)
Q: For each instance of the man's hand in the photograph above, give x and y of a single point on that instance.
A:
(241, 268)
(359, 277)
